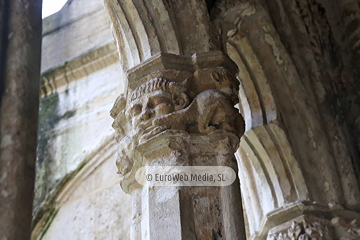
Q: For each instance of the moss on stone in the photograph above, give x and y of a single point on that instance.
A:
(48, 118)
(68, 114)
(48, 209)
(50, 215)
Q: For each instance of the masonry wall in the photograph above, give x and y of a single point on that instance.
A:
(77, 192)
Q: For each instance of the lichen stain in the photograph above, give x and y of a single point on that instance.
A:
(269, 40)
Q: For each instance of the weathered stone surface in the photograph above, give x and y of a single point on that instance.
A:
(20, 50)
(75, 178)
(296, 82)
(70, 33)
(143, 29)
(66, 116)
(92, 202)
(98, 216)
(188, 212)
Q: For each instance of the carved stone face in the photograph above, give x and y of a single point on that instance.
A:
(144, 109)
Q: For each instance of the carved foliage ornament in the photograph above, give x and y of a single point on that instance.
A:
(347, 230)
(320, 229)
(304, 230)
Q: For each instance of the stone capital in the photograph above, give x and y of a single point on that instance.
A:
(170, 97)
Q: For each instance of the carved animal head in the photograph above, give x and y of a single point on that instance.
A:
(227, 83)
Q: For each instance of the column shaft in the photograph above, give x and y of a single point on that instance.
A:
(20, 48)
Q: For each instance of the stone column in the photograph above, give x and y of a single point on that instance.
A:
(20, 47)
(190, 212)
(182, 114)
(181, 92)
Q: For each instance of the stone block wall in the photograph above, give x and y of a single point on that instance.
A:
(77, 193)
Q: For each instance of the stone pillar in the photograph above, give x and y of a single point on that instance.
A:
(181, 92)
(20, 47)
(182, 114)
(190, 212)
